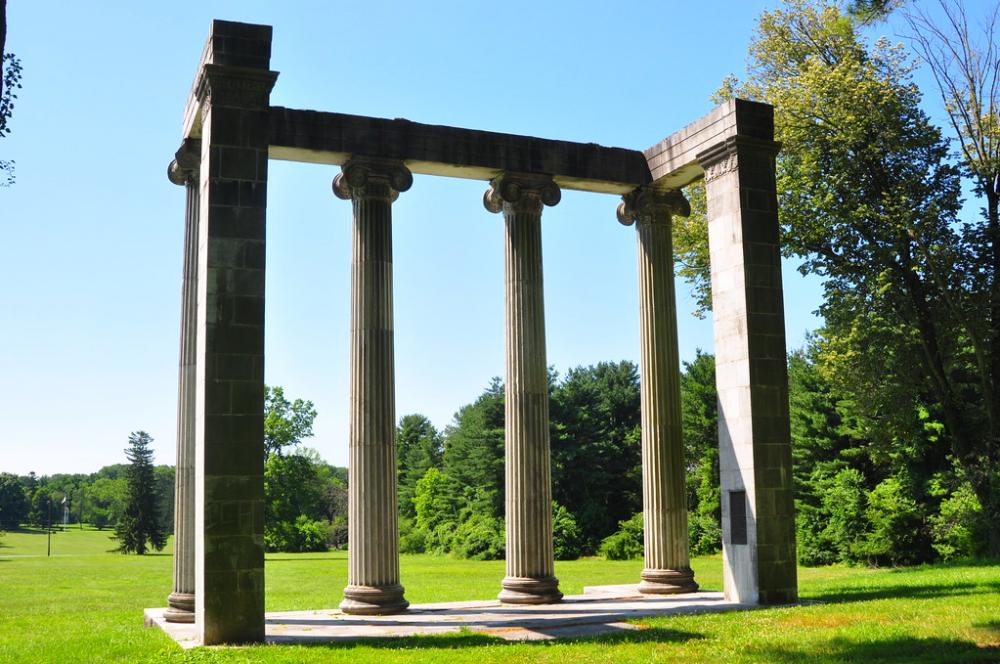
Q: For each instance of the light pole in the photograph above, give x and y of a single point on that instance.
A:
(48, 529)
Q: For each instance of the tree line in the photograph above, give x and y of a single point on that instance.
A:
(97, 499)
(857, 500)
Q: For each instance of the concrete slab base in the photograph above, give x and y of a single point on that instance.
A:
(600, 610)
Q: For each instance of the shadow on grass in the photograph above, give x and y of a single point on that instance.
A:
(989, 624)
(326, 559)
(473, 640)
(905, 649)
(904, 591)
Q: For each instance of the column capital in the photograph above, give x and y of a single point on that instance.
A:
(523, 191)
(721, 158)
(185, 165)
(364, 177)
(646, 205)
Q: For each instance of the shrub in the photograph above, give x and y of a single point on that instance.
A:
(302, 535)
(437, 500)
(479, 537)
(567, 540)
(704, 533)
(336, 532)
(896, 524)
(957, 529)
(843, 498)
(812, 546)
(411, 538)
(627, 542)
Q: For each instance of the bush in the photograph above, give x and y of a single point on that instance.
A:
(336, 532)
(843, 498)
(411, 538)
(896, 525)
(480, 537)
(303, 535)
(812, 546)
(567, 540)
(957, 529)
(627, 542)
(704, 534)
(437, 500)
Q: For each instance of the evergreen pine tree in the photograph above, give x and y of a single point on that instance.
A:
(140, 522)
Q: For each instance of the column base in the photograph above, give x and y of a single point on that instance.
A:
(526, 590)
(667, 581)
(373, 600)
(180, 608)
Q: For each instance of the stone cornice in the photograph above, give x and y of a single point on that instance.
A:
(723, 157)
(247, 85)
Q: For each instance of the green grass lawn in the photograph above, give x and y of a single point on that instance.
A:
(84, 604)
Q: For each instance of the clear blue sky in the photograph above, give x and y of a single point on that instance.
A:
(91, 256)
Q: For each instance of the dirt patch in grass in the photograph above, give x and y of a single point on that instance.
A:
(812, 620)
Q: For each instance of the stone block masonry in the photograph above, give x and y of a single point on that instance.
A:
(755, 459)
(232, 95)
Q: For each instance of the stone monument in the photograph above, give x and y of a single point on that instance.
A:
(231, 131)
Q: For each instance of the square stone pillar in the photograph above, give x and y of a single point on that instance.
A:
(755, 456)
(229, 109)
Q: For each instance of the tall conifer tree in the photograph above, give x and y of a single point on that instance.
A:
(139, 527)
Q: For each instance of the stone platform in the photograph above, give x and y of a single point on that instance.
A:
(601, 609)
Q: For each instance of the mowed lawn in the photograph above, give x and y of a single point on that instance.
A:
(85, 604)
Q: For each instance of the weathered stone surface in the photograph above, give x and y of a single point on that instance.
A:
(754, 439)
(530, 578)
(673, 162)
(331, 138)
(664, 499)
(373, 531)
(600, 610)
(232, 86)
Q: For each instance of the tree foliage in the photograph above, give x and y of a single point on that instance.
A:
(10, 83)
(700, 426)
(286, 423)
(869, 201)
(419, 447)
(139, 526)
(596, 450)
(14, 504)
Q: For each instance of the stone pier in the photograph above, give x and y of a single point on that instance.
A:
(530, 569)
(229, 113)
(664, 499)
(184, 170)
(373, 530)
(755, 452)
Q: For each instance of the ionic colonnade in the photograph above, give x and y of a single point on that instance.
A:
(231, 131)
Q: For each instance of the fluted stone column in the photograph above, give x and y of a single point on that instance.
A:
(373, 531)
(667, 569)
(530, 575)
(184, 170)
